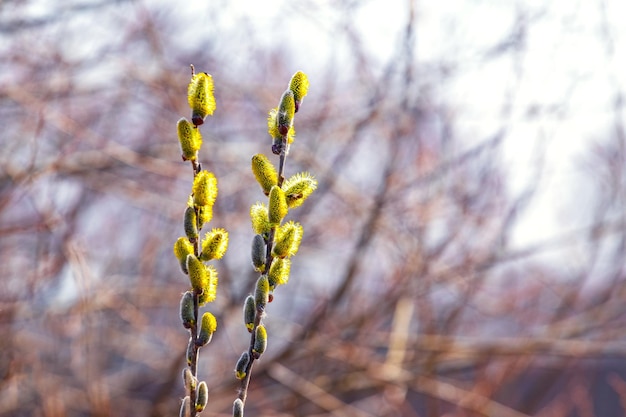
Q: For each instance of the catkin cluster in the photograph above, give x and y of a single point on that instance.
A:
(275, 241)
(192, 251)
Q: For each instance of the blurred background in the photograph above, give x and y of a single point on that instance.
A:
(462, 256)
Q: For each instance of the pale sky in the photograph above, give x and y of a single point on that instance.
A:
(561, 86)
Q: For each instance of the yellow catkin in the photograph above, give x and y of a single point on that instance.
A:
(210, 290)
(298, 188)
(287, 240)
(279, 272)
(197, 274)
(260, 219)
(200, 97)
(204, 189)
(264, 172)
(277, 208)
(189, 138)
(214, 245)
(299, 85)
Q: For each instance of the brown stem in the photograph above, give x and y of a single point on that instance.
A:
(193, 361)
(193, 330)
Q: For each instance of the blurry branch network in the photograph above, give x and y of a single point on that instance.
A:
(530, 326)
(192, 252)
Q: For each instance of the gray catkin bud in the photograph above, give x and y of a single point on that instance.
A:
(242, 364)
(249, 313)
(238, 408)
(187, 310)
(189, 380)
(262, 292)
(208, 325)
(286, 110)
(258, 252)
(202, 397)
(260, 340)
(185, 407)
(190, 352)
(191, 224)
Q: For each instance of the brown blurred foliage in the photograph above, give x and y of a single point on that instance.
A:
(406, 298)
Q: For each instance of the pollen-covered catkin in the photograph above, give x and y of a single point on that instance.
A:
(204, 189)
(299, 84)
(264, 172)
(298, 188)
(287, 240)
(214, 245)
(277, 208)
(189, 138)
(260, 219)
(183, 248)
(279, 272)
(197, 274)
(200, 97)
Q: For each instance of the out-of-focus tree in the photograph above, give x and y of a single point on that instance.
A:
(410, 296)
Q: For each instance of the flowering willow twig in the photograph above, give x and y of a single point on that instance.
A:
(192, 252)
(275, 242)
